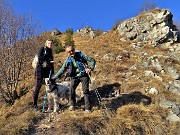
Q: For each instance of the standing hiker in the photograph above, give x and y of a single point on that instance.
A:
(79, 72)
(44, 68)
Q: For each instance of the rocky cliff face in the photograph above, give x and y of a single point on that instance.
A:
(155, 27)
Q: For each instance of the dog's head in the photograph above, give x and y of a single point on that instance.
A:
(50, 83)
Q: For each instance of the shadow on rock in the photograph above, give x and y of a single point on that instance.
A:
(131, 98)
(114, 101)
(106, 91)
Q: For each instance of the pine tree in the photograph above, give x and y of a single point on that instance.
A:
(57, 46)
(69, 37)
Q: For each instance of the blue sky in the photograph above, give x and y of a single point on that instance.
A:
(99, 14)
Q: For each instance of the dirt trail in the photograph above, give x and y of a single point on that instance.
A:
(45, 125)
(48, 123)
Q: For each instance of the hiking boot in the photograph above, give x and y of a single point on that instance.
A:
(87, 111)
(71, 108)
(35, 108)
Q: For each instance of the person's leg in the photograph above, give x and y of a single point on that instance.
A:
(85, 88)
(72, 93)
(38, 84)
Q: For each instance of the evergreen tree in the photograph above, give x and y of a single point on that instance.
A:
(57, 46)
(69, 37)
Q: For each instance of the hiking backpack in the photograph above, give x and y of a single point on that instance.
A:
(81, 63)
(35, 60)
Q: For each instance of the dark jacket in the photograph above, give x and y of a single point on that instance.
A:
(45, 55)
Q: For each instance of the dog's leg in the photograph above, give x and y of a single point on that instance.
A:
(49, 97)
(65, 95)
(56, 102)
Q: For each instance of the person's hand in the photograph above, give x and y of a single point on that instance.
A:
(88, 70)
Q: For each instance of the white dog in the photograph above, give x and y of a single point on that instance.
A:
(54, 94)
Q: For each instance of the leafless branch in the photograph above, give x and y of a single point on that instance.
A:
(14, 49)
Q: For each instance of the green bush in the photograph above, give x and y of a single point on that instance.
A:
(69, 37)
(58, 46)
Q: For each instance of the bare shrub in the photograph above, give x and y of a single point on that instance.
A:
(15, 31)
(147, 5)
(117, 23)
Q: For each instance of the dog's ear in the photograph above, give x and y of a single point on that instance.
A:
(46, 80)
(52, 81)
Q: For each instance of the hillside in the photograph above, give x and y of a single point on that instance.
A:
(146, 73)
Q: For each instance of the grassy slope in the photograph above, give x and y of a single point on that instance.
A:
(128, 113)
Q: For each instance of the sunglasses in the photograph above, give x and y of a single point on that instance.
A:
(71, 51)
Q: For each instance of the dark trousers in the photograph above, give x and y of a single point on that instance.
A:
(40, 73)
(85, 87)
(38, 84)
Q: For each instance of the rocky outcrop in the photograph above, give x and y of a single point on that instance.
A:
(87, 31)
(55, 32)
(155, 26)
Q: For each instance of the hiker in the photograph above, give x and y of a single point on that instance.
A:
(79, 72)
(44, 68)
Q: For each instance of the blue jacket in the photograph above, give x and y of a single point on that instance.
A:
(76, 65)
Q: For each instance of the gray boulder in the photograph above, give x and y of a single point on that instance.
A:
(155, 26)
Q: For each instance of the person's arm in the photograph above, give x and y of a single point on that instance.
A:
(62, 70)
(41, 55)
(50, 58)
(91, 60)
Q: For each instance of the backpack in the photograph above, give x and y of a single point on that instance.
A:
(35, 60)
(81, 63)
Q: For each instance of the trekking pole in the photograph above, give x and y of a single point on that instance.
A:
(45, 96)
(97, 93)
(99, 97)
(106, 112)
(94, 87)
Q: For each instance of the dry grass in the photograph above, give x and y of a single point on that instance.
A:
(80, 124)
(136, 119)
